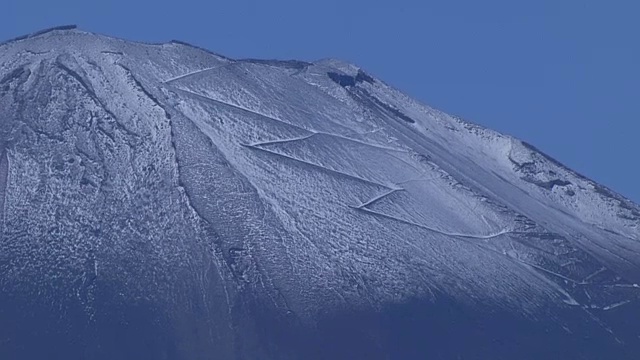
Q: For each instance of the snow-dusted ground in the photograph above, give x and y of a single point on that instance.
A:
(216, 189)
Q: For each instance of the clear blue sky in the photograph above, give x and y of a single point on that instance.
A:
(563, 75)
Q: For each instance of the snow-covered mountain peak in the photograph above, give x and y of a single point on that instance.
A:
(245, 203)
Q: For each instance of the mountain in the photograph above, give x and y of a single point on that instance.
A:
(160, 201)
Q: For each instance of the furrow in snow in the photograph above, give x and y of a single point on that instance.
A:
(458, 235)
(379, 197)
(283, 141)
(196, 72)
(323, 168)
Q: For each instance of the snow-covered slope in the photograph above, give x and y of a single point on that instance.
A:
(165, 202)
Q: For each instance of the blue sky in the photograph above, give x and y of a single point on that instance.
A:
(562, 75)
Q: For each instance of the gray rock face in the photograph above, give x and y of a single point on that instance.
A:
(164, 202)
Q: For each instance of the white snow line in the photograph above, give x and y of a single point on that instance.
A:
(552, 273)
(382, 147)
(616, 305)
(379, 197)
(193, 73)
(484, 237)
(602, 324)
(570, 262)
(636, 286)
(469, 236)
(569, 299)
(282, 141)
(355, 177)
(596, 273)
(315, 133)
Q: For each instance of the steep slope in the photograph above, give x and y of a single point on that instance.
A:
(164, 202)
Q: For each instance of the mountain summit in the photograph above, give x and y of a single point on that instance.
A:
(164, 202)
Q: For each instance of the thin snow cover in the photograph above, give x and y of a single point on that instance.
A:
(231, 198)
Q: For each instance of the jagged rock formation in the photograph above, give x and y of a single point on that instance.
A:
(164, 202)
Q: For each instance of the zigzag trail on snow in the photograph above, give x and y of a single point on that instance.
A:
(241, 195)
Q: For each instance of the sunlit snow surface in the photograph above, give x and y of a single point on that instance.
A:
(164, 202)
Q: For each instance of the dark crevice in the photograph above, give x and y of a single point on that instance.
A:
(528, 165)
(364, 77)
(290, 64)
(384, 107)
(611, 231)
(393, 110)
(37, 52)
(21, 75)
(144, 90)
(623, 202)
(627, 217)
(85, 156)
(174, 149)
(14, 75)
(106, 133)
(348, 80)
(95, 97)
(236, 259)
(168, 116)
(56, 138)
(112, 52)
(549, 185)
(181, 184)
(78, 78)
(342, 80)
(552, 160)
